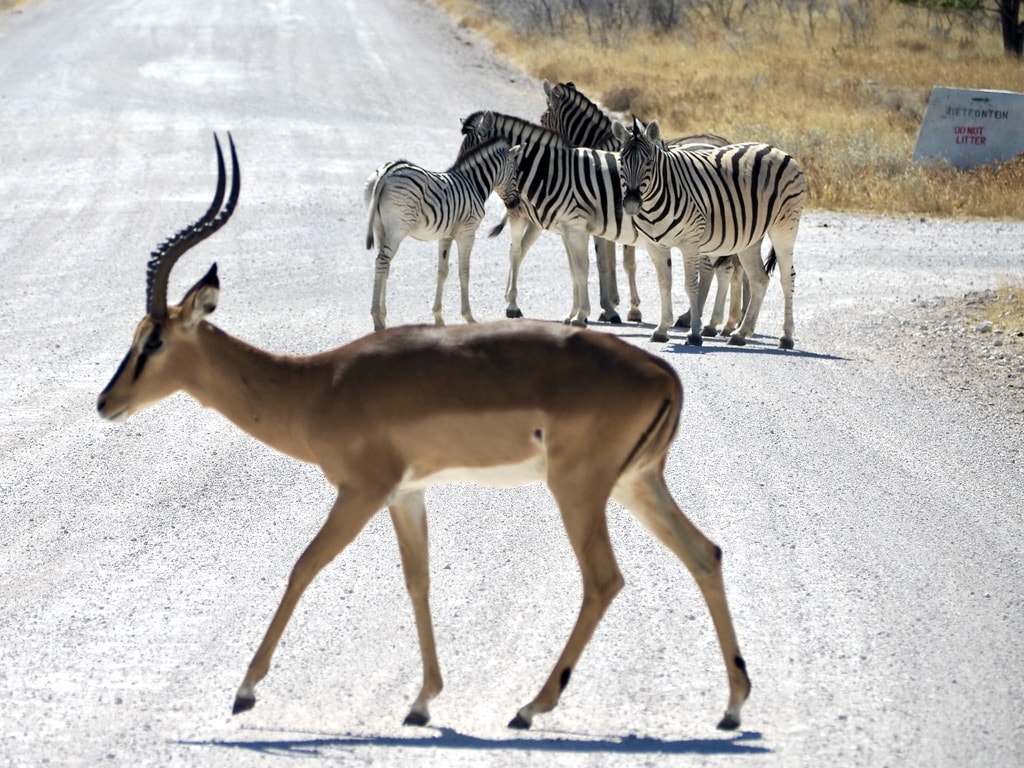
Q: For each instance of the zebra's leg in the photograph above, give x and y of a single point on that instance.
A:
(661, 257)
(691, 274)
(736, 280)
(524, 234)
(755, 273)
(704, 276)
(604, 250)
(576, 241)
(444, 252)
(723, 277)
(629, 265)
(464, 242)
(783, 244)
(378, 304)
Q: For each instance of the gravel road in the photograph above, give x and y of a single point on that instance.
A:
(866, 488)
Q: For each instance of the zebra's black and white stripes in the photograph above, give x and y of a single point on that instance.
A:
(573, 192)
(716, 202)
(405, 200)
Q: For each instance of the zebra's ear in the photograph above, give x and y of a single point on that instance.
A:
(486, 122)
(619, 131)
(653, 131)
(547, 89)
(515, 152)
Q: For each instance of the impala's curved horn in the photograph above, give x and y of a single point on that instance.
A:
(158, 270)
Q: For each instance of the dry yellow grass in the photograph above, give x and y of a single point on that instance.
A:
(849, 113)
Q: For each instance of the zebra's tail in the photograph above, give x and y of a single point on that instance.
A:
(770, 262)
(370, 196)
(498, 227)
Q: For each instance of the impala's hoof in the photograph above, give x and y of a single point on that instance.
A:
(243, 704)
(513, 313)
(416, 718)
(519, 723)
(785, 343)
(728, 723)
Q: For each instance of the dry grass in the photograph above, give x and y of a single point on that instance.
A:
(849, 113)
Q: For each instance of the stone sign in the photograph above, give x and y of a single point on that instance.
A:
(969, 128)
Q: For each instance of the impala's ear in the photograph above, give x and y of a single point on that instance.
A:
(201, 299)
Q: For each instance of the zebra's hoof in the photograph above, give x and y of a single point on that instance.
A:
(613, 318)
(513, 313)
(709, 331)
(683, 321)
(785, 343)
(695, 340)
(659, 336)
(634, 316)
(737, 341)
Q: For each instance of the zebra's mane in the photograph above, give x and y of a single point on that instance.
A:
(471, 155)
(516, 130)
(593, 114)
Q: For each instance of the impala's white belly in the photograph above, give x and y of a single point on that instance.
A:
(534, 469)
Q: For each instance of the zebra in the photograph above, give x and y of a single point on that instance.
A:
(406, 200)
(574, 192)
(715, 202)
(584, 124)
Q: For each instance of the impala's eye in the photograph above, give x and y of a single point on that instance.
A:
(153, 343)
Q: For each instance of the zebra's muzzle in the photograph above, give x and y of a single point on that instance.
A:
(631, 202)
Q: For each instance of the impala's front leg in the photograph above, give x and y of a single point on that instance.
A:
(409, 516)
(444, 254)
(350, 513)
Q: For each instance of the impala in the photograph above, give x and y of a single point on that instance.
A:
(391, 414)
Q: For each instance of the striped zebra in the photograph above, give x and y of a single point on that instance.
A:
(573, 192)
(405, 200)
(715, 202)
(584, 124)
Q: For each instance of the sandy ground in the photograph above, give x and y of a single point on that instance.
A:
(865, 488)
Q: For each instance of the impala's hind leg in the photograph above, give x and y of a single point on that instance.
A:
(583, 508)
(409, 517)
(645, 494)
(347, 517)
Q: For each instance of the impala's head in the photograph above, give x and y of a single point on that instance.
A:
(154, 366)
(639, 145)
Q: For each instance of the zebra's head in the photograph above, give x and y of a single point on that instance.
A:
(507, 185)
(476, 129)
(639, 145)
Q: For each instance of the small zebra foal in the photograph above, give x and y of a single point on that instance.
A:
(405, 200)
